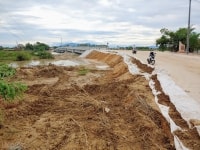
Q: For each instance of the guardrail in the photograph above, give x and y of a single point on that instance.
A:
(77, 50)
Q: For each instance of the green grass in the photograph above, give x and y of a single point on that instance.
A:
(43, 54)
(6, 71)
(10, 91)
(21, 55)
(7, 55)
(83, 71)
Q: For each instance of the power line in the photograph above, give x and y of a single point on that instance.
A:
(9, 30)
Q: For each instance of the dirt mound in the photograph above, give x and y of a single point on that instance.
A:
(143, 67)
(62, 109)
(49, 71)
(106, 57)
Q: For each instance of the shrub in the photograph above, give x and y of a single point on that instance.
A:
(6, 71)
(1, 47)
(8, 55)
(9, 90)
(23, 56)
(43, 54)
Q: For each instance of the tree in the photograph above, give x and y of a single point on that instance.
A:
(194, 41)
(37, 46)
(162, 42)
(1, 47)
(40, 46)
(29, 46)
(170, 40)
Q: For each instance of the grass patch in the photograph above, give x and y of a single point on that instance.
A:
(8, 55)
(11, 55)
(6, 71)
(83, 71)
(10, 91)
(43, 54)
(23, 55)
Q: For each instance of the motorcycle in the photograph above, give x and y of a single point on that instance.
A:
(151, 59)
(134, 51)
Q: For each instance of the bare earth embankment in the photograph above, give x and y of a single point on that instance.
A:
(103, 109)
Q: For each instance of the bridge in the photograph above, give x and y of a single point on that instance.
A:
(78, 50)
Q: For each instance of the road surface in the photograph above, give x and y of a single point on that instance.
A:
(182, 68)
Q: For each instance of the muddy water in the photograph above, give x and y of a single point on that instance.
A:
(64, 59)
(44, 62)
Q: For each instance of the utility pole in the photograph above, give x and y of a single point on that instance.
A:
(188, 30)
(107, 45)
(61, 41)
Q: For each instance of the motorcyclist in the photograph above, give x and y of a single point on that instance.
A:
(151, 57)
(151, 54)
(134, 51)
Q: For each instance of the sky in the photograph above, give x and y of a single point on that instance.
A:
(116, 22)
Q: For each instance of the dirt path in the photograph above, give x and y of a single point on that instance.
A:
(184, 69)
(82, 107)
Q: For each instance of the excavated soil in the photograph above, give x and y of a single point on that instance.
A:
(101, 109)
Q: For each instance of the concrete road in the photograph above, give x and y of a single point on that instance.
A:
(182, 68)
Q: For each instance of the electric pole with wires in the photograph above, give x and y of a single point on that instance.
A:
(188, 30)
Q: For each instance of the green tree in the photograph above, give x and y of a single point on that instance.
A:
(1, 47)
(129, 48)
(162, 42)
(198, 48)
(29, 46)
(40, 46)
(37, 46)
(194, 41)
(170, 40)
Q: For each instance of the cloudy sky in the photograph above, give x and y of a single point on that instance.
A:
(120, 22)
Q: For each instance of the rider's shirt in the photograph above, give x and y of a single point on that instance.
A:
(152, 54)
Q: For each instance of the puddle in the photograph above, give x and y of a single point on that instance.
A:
(43, 62)
(69, 61)
(65, 63)
(105, 67)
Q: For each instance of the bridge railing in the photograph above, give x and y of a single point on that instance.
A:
(77, 50)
